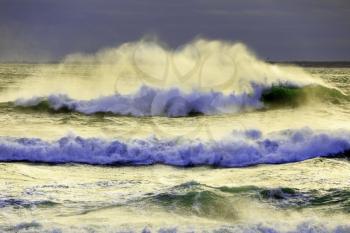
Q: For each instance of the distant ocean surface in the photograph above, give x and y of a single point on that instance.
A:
(207, 138)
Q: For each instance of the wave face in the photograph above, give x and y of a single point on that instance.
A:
(175, 103)
(150, 102)
(239, 150)
(292, 96)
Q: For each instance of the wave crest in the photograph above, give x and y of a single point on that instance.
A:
(203, 65)
(238, 150)
(175, 103)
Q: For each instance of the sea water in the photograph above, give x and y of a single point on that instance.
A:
(205, 138)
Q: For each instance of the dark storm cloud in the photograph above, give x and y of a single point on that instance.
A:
(37, 30)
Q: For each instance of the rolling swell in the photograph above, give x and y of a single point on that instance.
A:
(207, 200)
(175, 103)
(239, 149)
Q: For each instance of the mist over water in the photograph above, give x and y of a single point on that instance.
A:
(200, 65)
(147, 79)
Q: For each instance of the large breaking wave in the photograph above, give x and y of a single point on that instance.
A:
(145, 78)
(221, 71)
(240, 149)
(149, 102)
(174, 103)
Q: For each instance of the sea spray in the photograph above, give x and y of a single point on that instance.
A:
(201, 65)
(173, 102)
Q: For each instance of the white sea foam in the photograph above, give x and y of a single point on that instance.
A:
(239, 149)
(154, 102)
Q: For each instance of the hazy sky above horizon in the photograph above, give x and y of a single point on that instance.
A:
(47, 30)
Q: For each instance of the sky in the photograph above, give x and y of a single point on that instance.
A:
(48, 30)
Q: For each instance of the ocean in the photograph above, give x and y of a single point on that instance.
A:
(205, 138)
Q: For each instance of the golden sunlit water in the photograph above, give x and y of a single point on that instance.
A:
(247, 165)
